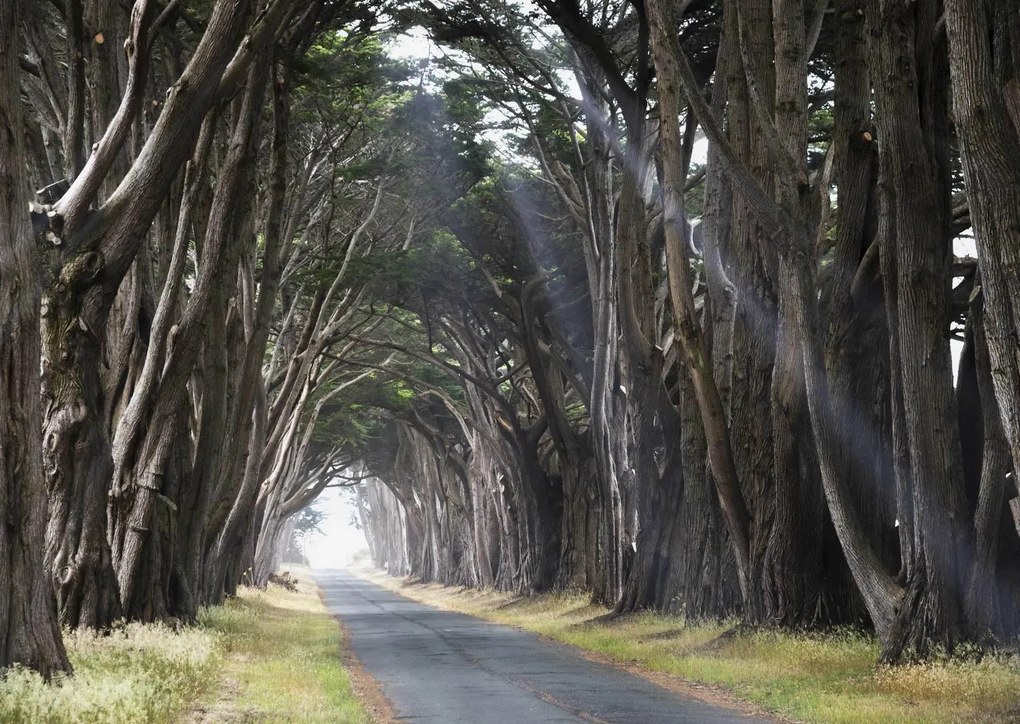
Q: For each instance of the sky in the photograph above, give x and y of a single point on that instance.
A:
(339, 538)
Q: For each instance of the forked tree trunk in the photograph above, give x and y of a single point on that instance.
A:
(857, 346)
(139, 483)
(244, 420)
(881, 593)
(97, 247)
(698, 366)
(29, 634)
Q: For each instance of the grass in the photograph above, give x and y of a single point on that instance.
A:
(137, 673)
(812, 677)
(270, 656)
(282, 662)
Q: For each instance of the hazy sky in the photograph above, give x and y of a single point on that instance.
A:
(339, 539)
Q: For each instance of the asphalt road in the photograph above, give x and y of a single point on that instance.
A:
(438, 666)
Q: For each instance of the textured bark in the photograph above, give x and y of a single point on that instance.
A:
(793, 563)
(245, 418)
(989, 610)
(748, 30)
(139, 484)
(29, 634)
(880, 592)
(703, 581)
(74, 128)
(97, 248)
(217, 562)
(689, 333)
(984, 52)
(856, 356)
(608, 550)
(909, 74)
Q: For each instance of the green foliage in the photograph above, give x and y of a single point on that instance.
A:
(307, 522)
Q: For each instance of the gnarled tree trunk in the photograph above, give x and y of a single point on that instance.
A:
(29, 634)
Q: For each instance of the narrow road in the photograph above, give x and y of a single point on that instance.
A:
(438, 666)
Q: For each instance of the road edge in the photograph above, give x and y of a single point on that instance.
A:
(706, 693)
(365, 686)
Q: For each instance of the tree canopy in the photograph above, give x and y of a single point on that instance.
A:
(707, 307)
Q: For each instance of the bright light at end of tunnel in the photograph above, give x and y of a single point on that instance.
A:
(340, 540)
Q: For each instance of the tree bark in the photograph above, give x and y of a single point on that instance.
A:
(139, 483)
(881, 593)
(688, 328)
(986, 102)
(29, 634)
(987, 605)
(857, 334)
(97, 246)
(913, 131)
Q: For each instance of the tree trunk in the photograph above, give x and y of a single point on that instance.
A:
(913, 133)
(29, 634)
(857, 334)
(985, 598)
(138, 482)
(97, 247)
(76, 445)
(986, 92)
(688, 329)
(780, 220)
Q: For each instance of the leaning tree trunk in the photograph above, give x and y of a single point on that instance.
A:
(881, 593)
(244, 420)
(138, 483)
(29, 634)
(96, 248)
(857, 333)
(690, 337)
(983, 598)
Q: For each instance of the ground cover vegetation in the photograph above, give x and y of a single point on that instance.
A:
(281, 660)
(797, 675)
(268, 655)
(263, 258)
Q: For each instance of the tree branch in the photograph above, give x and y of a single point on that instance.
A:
(71, 209)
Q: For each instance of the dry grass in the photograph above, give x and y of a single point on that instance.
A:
(271, 656)
(282, 661)
(806, 677)
(136, 674)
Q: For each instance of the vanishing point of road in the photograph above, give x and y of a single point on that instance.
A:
(438, 666)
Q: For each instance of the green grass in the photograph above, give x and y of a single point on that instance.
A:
(812, 677)
(281, 660)
(270, 656)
